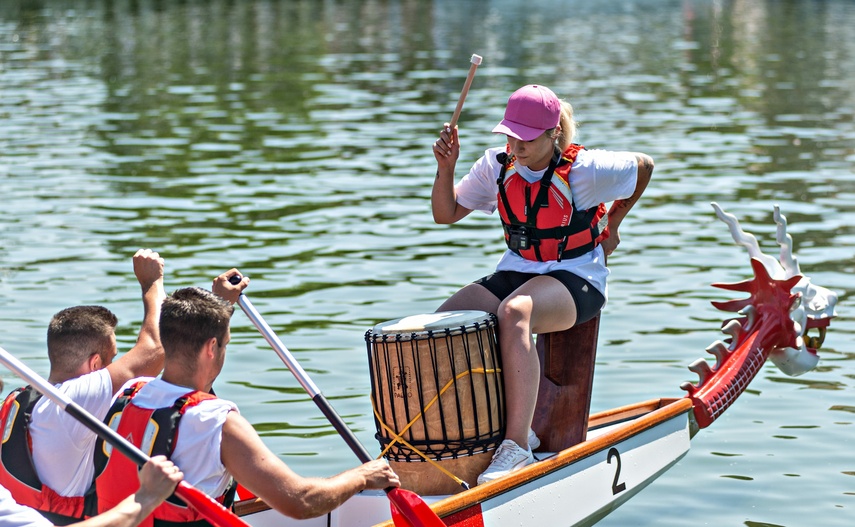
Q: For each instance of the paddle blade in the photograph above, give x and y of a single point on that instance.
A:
(211, 510)
(410, 510)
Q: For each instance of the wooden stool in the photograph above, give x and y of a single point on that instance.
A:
(566, 377)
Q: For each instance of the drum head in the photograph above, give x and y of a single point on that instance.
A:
(430, 322)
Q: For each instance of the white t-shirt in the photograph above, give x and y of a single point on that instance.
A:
(197, 452)
(597, 176)
(62, 446)
(14, 515)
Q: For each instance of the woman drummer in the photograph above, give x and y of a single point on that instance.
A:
(551, 195)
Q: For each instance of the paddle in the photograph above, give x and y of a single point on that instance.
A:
(207, 507)
(408, 508)
(475, 60)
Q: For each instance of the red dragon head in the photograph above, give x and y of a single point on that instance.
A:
(782, 306)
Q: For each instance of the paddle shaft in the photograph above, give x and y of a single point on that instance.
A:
(207, 507)
(303, 378)
(475, 60)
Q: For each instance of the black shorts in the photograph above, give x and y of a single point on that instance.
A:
(588, 300)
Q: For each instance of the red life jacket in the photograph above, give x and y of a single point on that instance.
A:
(18, 472)
(539, 219)
(154, 431)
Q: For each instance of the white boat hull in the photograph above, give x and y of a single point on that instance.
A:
(626, 449)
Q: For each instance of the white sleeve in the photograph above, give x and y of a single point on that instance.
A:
(93, 392)
(14, 515)
(62, 446)
(601, 176)
(198, 450)
(477, 190)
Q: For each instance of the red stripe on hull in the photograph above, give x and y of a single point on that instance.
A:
(470, 517)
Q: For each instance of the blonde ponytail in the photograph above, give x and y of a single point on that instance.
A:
(568, 126)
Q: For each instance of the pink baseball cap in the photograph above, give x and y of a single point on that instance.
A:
(531, 110)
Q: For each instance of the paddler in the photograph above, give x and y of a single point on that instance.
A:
(551, 196)
(57, 474)
(215, 443)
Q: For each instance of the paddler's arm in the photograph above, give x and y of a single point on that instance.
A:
(443, 198)
(258, 469)
(621, 207)
(145, 359)
(158, 479)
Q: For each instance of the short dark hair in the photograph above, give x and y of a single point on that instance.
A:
(189, 318)
(76, 333)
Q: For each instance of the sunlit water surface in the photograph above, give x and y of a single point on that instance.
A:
(292, 140)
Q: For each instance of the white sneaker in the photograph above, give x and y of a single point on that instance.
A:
(533, 440)
(508, 457)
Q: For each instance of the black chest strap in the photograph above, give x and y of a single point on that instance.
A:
(542, 199)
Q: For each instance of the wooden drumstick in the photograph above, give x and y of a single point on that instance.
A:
(475, 60)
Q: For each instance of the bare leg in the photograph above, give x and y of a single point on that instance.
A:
(541, 305)
(472, 296)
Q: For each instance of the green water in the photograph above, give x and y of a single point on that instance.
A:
(292, 140)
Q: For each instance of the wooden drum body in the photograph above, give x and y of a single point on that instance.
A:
(437, 393)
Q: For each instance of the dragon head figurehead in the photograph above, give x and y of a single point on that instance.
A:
(782, 307)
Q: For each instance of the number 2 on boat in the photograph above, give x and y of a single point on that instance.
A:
(616, 487)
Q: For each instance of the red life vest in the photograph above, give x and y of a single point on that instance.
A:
(154, 431)
(539, 219)
(18, 472)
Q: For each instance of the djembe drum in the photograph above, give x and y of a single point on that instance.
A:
(438, 399)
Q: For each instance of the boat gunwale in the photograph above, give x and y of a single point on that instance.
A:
(642, 416)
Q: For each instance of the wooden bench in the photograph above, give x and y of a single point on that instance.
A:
(566, 378)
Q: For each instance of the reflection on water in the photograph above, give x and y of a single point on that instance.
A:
(291, 139)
